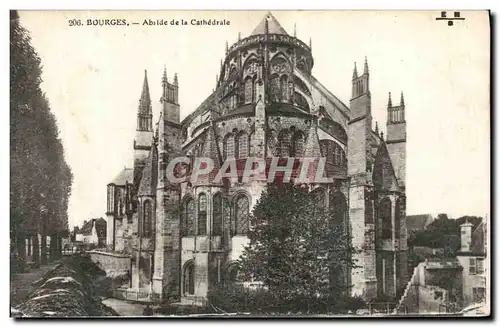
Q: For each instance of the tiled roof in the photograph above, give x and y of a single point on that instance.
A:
(126, 175)
(273, 27)
(418, 222)
(100, 225)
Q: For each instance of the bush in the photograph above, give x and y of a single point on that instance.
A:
(348, 304)
(236, 298)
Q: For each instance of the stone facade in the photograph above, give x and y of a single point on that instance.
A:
(186, 237)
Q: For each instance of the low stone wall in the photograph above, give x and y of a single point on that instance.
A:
(112, 263)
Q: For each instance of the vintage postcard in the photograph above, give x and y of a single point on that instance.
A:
(250, 163)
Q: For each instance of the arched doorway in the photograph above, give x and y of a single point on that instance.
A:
(234, 274)
(385, 219)
(188, 280)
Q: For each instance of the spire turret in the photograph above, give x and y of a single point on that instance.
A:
(176, 81)
(395, 114)
(295, 30)
(145, 100)
(145, 111)
(376, 127)
(360, 84)
(227, 48)
(164, 79)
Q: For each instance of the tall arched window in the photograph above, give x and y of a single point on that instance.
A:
(275, 89)
(284, 88)
(254, 96)
(384, 214)
(284, 146)
(147, 216)
(241, 214)
(333, 153)
(249, 90)
(217, 215)
(337, 155)
(343, 158)
(202, 214)
(298, 144)
(251, 140)
(397, 219)
(300, 101)
(229, 146)
(242, 145)
(188, 218)
(188, 279)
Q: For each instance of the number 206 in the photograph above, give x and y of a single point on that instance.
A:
(75, 22)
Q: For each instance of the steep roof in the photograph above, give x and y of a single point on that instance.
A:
(100, 226)
(384, 176)
(126, 175)
(418, 222)
(145, 100)
(273, 26)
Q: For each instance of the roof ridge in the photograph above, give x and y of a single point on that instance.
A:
(269, 25)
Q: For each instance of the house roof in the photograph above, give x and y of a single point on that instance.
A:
(100, 225)
(442, 264)
(418, 222)
(126, 175)
(273, 27)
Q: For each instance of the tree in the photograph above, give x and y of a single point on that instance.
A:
(443, 233)
(40, 177)
(296, 250)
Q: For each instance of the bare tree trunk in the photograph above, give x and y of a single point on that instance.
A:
(43, 259)
(53, 247)
(36, 250)
(21, 245)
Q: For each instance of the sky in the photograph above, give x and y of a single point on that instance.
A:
(93, 76)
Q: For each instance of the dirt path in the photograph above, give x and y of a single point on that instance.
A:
(20, 284)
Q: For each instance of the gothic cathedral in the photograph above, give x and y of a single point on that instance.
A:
(184, 238)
